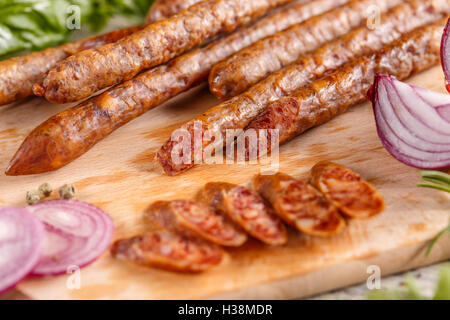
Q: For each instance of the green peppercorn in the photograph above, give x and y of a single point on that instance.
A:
(32, 197)
(45, 190)
(67, 191)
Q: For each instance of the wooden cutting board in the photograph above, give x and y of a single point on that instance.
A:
(120, 176)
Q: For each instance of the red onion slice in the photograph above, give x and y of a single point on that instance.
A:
(21, 240)
(431, 141)
(445, 53)
(77, 233)
(444, 112)
(412, 122)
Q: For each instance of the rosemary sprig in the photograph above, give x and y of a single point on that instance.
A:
(440, 181)
(436, 180)
(436, 239)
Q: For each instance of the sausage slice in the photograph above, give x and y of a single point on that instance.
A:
(169, 251)
(300, 205)
(354, 197)
(192, 218)
(247, 209)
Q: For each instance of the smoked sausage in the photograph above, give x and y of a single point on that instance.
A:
(194, 219)
(169, 251)
(240, 110)
(247, 209)
(252, 64)
(89, 71)
(69, 134)
(300, 205)
(332, 95)
(19, 74)
(163, 9)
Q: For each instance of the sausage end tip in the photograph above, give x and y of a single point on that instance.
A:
(38, 90)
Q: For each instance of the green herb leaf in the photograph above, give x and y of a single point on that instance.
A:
(37, 24)
(443, 287)
(436, 176)
(436, 239)
(433, 186)
(440, 181)
(436, 180)
(412, 291)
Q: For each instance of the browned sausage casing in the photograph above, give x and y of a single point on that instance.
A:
(89, 71)
(194, 219)
(300, 205)
(69, 134)
(169, 251)
(19, 74)
(354, 197)
(247, 209)
(163, 9)
(239, 111)
(332, 95)
(252, 64)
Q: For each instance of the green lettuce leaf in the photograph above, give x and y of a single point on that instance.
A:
(37, 24)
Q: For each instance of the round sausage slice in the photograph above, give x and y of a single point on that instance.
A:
(300, 205)
(192, 218)
(169, 251)
(247, 209)
(353, 196)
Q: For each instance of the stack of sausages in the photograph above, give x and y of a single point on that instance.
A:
(188, 235)
(284, 64)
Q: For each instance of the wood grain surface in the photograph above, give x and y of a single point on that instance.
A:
(120, 176)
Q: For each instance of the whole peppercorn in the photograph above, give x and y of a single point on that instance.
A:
(45, 190)
(32, 197)
(67, 191)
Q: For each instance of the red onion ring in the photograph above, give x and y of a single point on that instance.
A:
(412, 122)
(21, 239)
(77, 233)
(445, 53)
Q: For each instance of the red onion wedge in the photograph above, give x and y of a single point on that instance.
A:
(413, 123)
(21, 238)
(445, 53)
(77, 233)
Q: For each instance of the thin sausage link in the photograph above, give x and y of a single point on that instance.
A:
(19, 74)
(247, 209)
(360, 42)
(163, 9)
(169, 251)
(354, 197)
(89, 71)
(239, 111)
(69, 134)
(252, 64)
(332, 95)
(194, 219)
(300, 204)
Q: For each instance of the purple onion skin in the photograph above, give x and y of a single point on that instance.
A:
(373, 97)
(39, 233)
(444, 62)
(109, 225)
